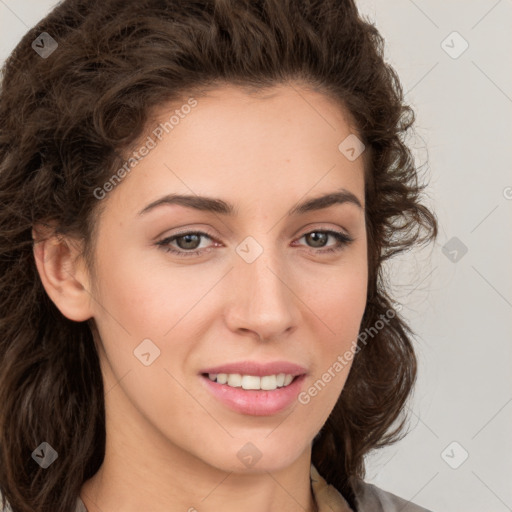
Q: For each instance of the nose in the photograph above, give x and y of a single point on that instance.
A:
(263, 301)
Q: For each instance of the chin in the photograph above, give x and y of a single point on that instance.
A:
(258, 456)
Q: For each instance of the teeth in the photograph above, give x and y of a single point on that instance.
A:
(234, 380)
(266, 383)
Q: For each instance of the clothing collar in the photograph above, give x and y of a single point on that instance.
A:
(327, 497)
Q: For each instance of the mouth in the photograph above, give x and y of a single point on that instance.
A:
(245, 394)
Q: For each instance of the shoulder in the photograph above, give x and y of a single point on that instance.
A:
(370, 498)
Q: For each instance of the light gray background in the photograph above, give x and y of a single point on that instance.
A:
(460, 310)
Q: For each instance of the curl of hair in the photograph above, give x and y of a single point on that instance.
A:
(65, 122)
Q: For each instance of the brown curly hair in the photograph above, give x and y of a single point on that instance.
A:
(65, 122)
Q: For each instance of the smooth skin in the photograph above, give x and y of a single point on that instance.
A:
(171, 445)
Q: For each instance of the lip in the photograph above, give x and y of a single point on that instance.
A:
(258, 369)
(255, 402)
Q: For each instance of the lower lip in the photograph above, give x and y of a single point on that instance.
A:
(255, 402)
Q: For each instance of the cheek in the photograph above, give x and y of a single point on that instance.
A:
(339, 305)
(338, 296)
(144, 298)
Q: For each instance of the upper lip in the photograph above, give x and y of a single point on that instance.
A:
(258, 369)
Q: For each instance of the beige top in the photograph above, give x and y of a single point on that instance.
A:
(369, 498)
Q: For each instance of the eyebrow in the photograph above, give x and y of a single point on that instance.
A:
(221, 207)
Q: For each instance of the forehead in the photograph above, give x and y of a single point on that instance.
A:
(248, 147)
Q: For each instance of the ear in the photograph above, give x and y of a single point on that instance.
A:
(63, 272)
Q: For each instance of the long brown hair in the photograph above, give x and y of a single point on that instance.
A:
(65, 120)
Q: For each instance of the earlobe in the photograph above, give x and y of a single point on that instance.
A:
(62, 273)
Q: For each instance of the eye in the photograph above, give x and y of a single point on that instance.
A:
(189, 242)
(188, 246)
(320, 236)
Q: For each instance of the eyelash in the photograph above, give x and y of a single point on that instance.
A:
(342, 239)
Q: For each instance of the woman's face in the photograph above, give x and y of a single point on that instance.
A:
(258, 285)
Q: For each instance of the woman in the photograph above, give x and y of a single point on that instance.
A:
(198, 198)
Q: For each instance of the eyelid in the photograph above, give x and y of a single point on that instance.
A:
(186, 231)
